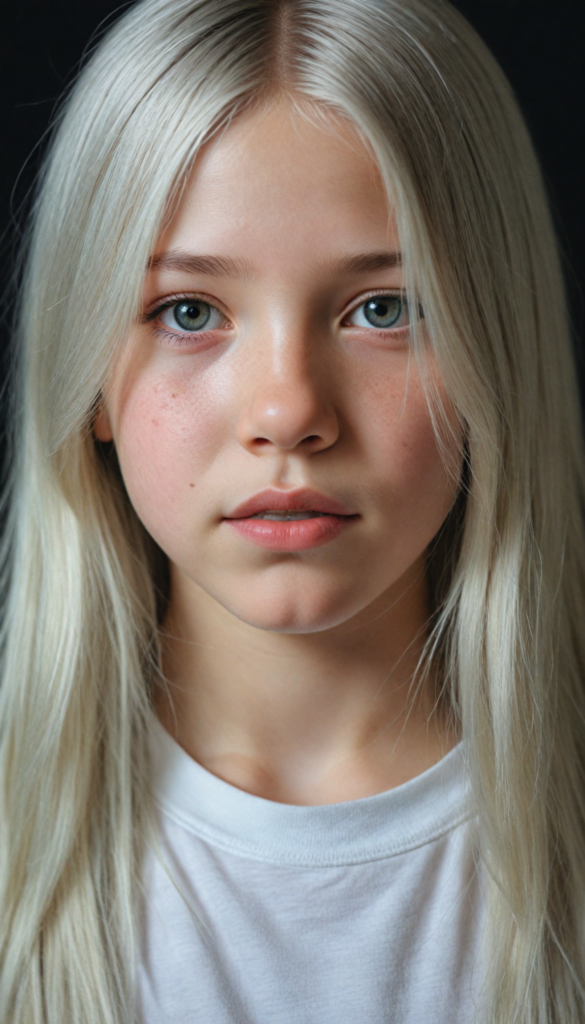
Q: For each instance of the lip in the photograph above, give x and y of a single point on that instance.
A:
(303, 500)
(294, 535)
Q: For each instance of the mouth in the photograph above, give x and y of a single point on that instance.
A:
(305, 503)
(290, 520)
(286, 517)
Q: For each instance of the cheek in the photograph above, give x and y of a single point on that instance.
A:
(419, 482)
(166, 435)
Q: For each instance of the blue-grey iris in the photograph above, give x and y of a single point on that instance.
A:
(383, 310)
(192, 315)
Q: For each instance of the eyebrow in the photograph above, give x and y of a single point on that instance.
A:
(189, 263)
(226, 266)
(365, 262)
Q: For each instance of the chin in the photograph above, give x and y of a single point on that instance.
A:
(290, 616)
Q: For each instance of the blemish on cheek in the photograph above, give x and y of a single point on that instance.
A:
(191, 485)
(155, 423)
(173, 396)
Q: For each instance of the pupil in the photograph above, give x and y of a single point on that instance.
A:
(192, 316)
(383, 311)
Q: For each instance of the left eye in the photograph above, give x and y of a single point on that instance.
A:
(383, 311)
(192, 315)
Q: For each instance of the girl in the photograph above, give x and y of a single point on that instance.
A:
(292, 701)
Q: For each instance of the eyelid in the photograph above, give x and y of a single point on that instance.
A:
(159, 305)
(356, 303)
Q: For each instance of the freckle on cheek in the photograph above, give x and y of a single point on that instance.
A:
(191, 485)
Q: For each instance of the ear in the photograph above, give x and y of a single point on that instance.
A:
(102, 426)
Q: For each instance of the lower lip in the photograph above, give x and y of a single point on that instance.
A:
(291, 534)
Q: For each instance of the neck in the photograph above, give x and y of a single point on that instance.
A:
(303, 718)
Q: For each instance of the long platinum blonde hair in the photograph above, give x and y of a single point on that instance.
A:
(84, 583)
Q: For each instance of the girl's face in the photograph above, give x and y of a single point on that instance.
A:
(273, 356)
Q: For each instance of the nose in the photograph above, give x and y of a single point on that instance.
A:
(288, 402)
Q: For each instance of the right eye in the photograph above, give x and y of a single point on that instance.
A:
(191, 316)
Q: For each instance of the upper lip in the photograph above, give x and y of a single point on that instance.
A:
(303, 500)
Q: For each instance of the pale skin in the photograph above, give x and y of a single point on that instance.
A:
(290, 673)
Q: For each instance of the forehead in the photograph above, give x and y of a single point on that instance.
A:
(279, 180)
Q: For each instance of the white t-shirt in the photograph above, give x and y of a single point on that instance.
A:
(364, 912)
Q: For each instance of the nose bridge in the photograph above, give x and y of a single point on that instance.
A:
(290, 353)
(288, 401)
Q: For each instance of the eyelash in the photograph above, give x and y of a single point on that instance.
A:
(179, 338)
(184, 338)
(384, 331)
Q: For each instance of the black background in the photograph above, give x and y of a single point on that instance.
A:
(539, 44)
